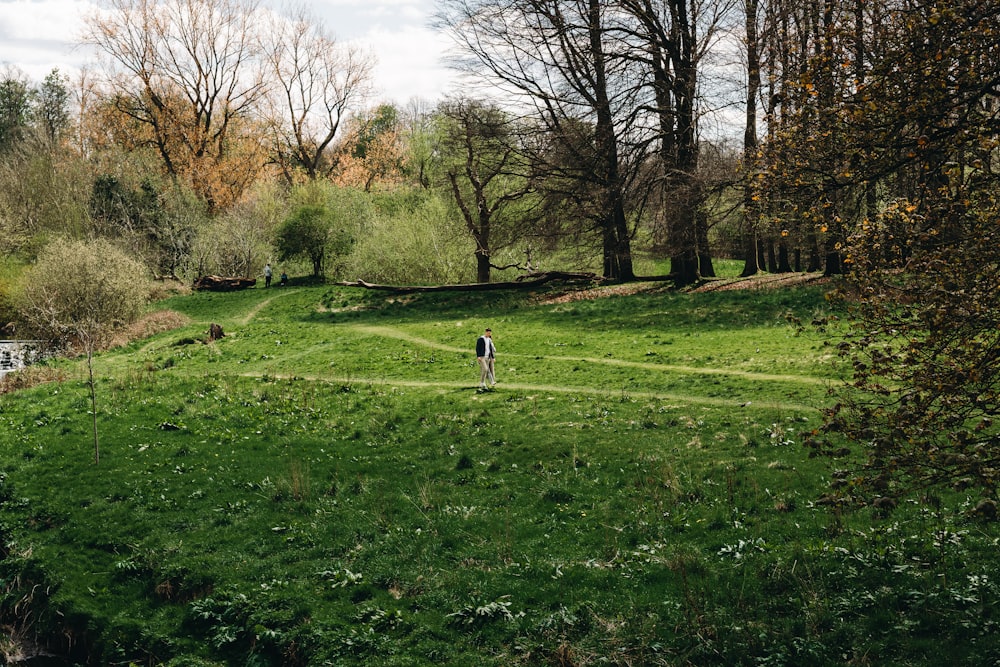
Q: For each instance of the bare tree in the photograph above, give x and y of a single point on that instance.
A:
(559, 59)
(487, 175)
(317, 82)
(189, 72)
(670, 39)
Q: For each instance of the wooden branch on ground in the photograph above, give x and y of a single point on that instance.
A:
(515, 265)
(223, 284)
(525, 282)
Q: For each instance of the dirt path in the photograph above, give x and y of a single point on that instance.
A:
(763, 281)
(252, 313)
(390, 332)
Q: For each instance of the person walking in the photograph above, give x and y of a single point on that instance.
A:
(486, 353)
(267, 275)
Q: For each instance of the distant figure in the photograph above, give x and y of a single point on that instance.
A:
(267, 275)
(486, 354)
(284, 278)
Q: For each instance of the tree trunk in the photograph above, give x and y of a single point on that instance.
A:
(772, 258)
(813, 262)
(834, 264)
(622, 246)
(617, 246)
(684, 260)
(751, 213)
(783, 265)
(482, 266)
(750, 265)
(705, 267)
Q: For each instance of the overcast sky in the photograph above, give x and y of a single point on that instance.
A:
(38, 35)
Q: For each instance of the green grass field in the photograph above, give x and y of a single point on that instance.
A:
(325, 486)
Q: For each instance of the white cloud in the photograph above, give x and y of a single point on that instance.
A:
(41, 20)
(397, 33)
(39, 35)
(408, 63)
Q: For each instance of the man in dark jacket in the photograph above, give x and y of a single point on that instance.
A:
(486, 355)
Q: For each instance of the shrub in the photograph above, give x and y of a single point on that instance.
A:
(415, 243)
(82, 292)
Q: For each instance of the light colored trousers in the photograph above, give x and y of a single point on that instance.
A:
(486, 371)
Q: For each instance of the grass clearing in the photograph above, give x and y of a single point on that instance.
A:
(324, 486)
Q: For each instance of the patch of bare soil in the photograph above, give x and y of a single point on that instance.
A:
(625, 289)
(763, 281)
(757, 282)
(149, 325)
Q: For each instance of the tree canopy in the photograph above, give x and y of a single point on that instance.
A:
(917, 138)
(315, 232)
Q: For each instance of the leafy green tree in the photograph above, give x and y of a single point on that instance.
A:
(922, 411)
(409, 237)
(381, 120)
(15, 108)
(487, 176)
(51, 106)
(155, 220)
(120, 209)
(81, 293)
(422, 143)
(312, 232)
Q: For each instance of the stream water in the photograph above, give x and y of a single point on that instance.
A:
(16, 354)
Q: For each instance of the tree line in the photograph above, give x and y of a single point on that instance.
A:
(591, 132)
(199, 112)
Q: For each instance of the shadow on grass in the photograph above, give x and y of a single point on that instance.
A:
(716, 310)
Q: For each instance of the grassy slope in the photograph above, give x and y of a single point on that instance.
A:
(324, 486)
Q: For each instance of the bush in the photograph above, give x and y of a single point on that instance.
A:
(420, 242)
(8, 311)
(82, 291)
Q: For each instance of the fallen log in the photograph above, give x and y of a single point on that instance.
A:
(223, 284)
(524, 282)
